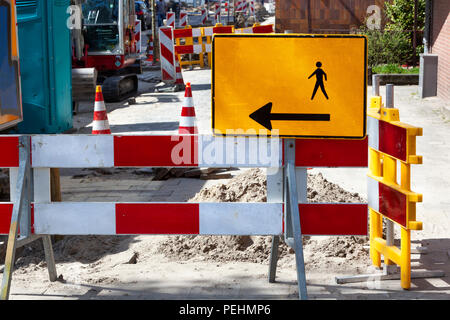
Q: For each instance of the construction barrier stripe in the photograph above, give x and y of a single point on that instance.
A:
(167, 54)
(331, 153)
(9, 147)
(183, 19)
(212, 30)
(389, 201)
(333, 218)
(138, 36)
(187, 33)
(256, 29)
(104, 218)
(170, 16)
(94, 151)
(6, 209)
(184, 49)
(388, 138)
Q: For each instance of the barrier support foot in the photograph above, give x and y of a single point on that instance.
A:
(273, 258)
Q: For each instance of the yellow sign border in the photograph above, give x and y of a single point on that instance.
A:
(213, 89)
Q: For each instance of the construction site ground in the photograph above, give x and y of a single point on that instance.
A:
(139, 267)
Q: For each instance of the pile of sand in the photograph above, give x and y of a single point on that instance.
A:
(251, 187)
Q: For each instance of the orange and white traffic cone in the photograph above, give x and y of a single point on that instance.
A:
(188, 122)
(101, 124)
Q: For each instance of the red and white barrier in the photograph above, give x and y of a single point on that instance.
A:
(183, 19)
(387, 200)
(256, 29)
(240, 5)
(170, 19)
(137, 36)
(103, 218)
(167, 54)
(208, 32)
(83, 151)
(217, 13)
(387, 138)
(252, 8)
(203, 17)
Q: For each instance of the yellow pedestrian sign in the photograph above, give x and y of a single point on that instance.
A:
(290, 84)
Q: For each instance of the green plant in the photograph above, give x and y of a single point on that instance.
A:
(401, 15)
(393, 68)
(387, 47)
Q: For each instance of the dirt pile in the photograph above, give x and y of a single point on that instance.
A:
(251, 187)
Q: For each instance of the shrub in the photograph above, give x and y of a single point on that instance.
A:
(387, 47)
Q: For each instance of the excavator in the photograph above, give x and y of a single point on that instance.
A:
(104, 43)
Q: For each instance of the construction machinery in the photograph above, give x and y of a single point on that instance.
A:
(104, 49)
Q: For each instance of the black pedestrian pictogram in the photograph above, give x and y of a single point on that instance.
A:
(320, 74)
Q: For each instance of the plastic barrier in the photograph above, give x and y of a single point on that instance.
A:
(42, 217)
(170, 19)
(167, 54)
(183, 19)
(391, 141)
(257, 28)
(208, 32)
(189, 41)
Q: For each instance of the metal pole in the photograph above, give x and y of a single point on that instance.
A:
(388, 268)
(291, 207)
(376, 85)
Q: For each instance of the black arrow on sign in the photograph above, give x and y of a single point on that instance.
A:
(264, 116)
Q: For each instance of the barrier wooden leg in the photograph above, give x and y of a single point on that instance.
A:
(49, 258)
(273, 258)
(21, 207)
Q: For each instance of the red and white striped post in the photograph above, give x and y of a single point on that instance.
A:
(203, 17)
(167, 54)
(183, 19)
(217, 13)
(137, 36)
(170, 19)
(252, 8)
(101, 124)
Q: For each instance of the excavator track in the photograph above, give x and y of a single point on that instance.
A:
(120, 87)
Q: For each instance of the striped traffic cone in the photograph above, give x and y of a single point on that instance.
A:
(101, 124)
(187, 122)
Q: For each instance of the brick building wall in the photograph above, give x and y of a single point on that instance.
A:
(323, 16)
(440, 45)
